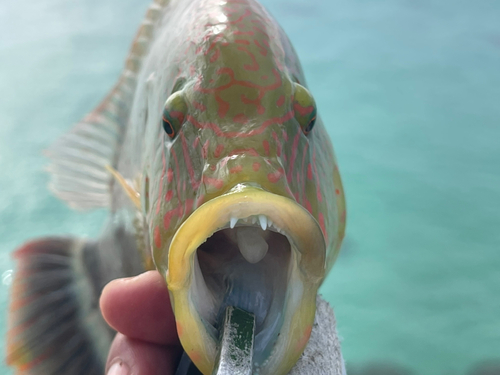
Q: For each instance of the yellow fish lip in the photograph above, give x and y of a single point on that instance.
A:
(306, 272)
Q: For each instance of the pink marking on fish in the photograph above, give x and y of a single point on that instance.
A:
(160, 188)
(204, 149)
(224, 161)
(303, 179)
(262, 50)
(236, 169)
(169, 195)
(240, 118)
(199, 106)
(275, 176)
(157, 237)
(169, 215)
(258, 29)
(291, 165)
(187, 160)
(215, 56)
(242, 17)
(256, 166)
(240, 134)
(177, 171)
(178, 115)
(257, 21)
(199, 200)
(318, 190)
(321, 219)
(239, 32)
(285, 135)
(278, 143)
(217, 183)
(244, 151)
(265, 144)
(303, 111)
(218, 150)
(260, 108)
(223, 106)
(212, 45)
(308, 205)
(188, 205)
(196, 142)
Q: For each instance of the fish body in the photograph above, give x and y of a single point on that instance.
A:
(217, 171)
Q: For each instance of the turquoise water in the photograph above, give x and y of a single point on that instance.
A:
(410, 91)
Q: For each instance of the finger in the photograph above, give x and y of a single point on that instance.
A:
(139, 307)
(134, 357)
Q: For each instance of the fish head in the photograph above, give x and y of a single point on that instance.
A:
(244, 211)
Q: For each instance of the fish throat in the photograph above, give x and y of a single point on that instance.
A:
(246, 267)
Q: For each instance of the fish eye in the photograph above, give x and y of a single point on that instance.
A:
(174, 114)
(304, 107)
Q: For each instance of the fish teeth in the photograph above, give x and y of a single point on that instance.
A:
(263, 222)
(269, 223)
(233, 222)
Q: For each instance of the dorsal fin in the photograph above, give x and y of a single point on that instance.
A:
(79, 158)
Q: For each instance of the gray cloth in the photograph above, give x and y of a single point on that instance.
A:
(322, 355)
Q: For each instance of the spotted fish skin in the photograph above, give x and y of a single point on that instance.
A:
(212, 97)
(236, 70)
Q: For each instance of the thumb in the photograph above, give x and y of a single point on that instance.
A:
(135, 357)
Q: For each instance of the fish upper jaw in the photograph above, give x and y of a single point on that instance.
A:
(275, 274)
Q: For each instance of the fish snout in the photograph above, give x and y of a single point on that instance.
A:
(245, 166)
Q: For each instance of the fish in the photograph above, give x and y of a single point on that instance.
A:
(216, 170)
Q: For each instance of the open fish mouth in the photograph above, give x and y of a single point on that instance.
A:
(255, 250)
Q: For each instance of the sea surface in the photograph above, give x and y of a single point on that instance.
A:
(410, 93)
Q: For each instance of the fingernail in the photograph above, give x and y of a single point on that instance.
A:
(119, 368)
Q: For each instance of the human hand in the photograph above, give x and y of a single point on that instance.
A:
(147, 342)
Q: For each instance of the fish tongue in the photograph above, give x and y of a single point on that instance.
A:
(252, 245)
